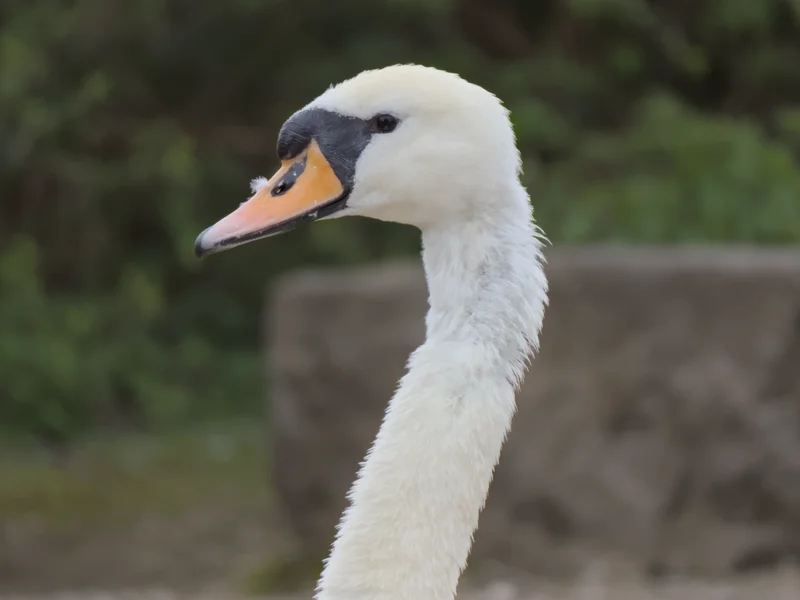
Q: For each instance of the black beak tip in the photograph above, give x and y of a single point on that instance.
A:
(199, 248)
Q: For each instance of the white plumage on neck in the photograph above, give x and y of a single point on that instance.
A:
(415, 504)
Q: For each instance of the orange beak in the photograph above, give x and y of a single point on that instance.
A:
(297, 192)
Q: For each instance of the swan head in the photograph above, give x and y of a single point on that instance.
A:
(405, 143)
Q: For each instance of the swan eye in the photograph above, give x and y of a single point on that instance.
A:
(384, 123)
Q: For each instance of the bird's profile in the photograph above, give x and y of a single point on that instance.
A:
(423, 147)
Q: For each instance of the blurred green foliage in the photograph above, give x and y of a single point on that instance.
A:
(128, 127)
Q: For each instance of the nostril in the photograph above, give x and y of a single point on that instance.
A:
(282, 188)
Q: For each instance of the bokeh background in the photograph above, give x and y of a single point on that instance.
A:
(134, 401)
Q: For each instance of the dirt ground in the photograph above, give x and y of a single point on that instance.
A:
(778, 586)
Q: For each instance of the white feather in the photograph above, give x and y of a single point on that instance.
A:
(257, 184)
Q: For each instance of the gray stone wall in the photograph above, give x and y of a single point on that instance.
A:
(659, 424)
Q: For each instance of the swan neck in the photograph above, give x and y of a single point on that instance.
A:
(415, 504)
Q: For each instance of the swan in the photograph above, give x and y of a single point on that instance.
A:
(426, 148)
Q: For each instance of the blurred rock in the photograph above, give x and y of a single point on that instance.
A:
(659, 425)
